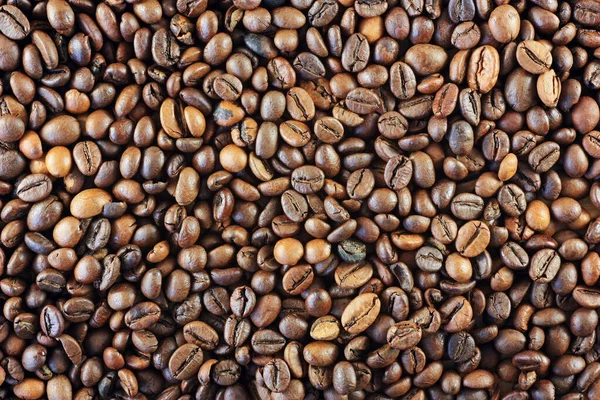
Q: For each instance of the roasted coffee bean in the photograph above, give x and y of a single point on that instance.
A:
(544, 156)
(404, 335)
(185, 361)
(52, 321)
(351, 250)
(403, 83)
(294, 205)
(544, 265)
(398, 172)
(473, 238)
(308, 179)
(34, 187)
(356, 53)
(296, 199)
(512, 200)
(461, 11)
(484, 68)
(13, 23)
(461, 347)
(533, 57)
(360, 313)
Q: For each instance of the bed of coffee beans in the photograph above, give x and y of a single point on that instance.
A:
(299, 199)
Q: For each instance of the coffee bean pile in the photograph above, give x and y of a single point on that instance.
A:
(299, 199)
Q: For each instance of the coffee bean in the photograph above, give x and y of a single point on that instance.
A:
(276, 375)
(61, 131)
(484, 68)
(426, 59)
(142, 315)
(585, 12)
(52, 321)
(544, 265)
(467, 206)
(89, 203)
(512, 199)
(586, 297)
(34, 187)
(13, 23)
(466, 35)
(320, 353)
(297, 279)
(356, 53)
(404, 335)
(544, 156)
(236, 331)
(461, 347)
(402, 81)
(472, 238)
(398, 172)
(185, 361)
(310, 195)
(549, 88)
(445, 100)
(268, 342)
(533, 57)
(299, 104)
(362, 101)
(461, 11)
(322, 12)
(352, 251)
(201, 334)
(360, 313)
(308, 179)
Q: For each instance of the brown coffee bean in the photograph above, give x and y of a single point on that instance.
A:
(34, 187)
(472, 238)
(484, 68)
(549, 88)
(320, 354)
(308, 179)
(533, 56)
(356, 53)
(89, 203)
(544, 156)
(360, 313)
(402, 80)
(426, 59)
(185, 361)
(30, 388)
(398, 172)
(61, 131)
(274, 184)
(13, 23)
(504, 23)
(404, 335)
(544, 265)
(445, 100)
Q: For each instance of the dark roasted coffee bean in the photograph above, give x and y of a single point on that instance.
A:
(52, 321)
(512, 200)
